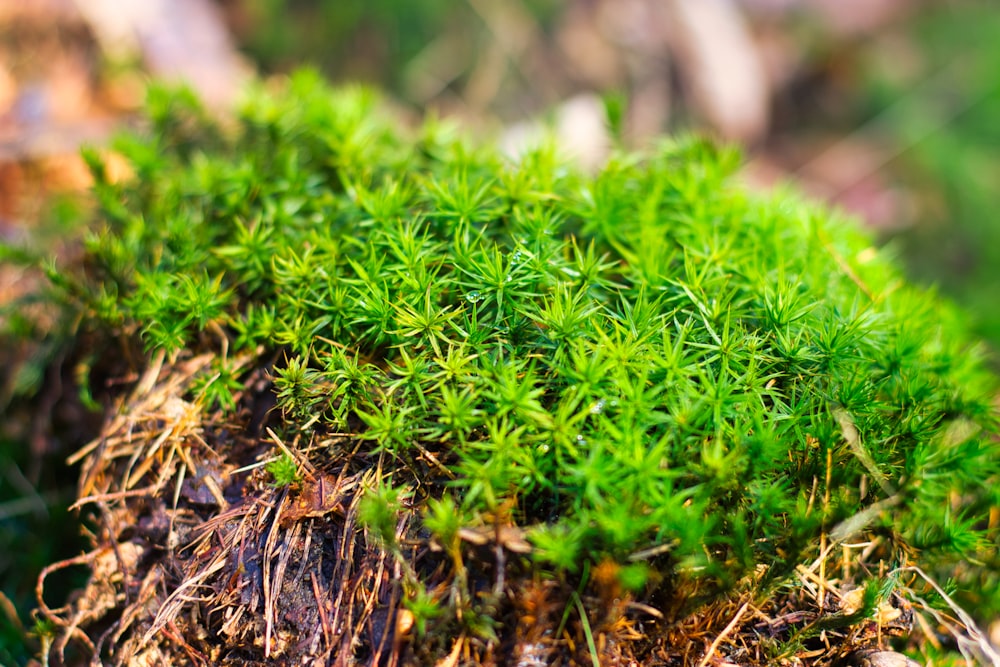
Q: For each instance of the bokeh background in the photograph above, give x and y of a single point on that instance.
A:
(889, 109)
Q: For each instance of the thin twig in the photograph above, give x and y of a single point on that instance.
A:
(972, 630)
(722, 635)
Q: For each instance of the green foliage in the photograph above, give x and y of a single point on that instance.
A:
(424, 608)
(647, 365)
(443, 519)
(217, 387)
(378, 512)
(284, 470)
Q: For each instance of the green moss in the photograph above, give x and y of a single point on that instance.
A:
(646, 365)
(284, 470)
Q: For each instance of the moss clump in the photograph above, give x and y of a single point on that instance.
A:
(645, 387)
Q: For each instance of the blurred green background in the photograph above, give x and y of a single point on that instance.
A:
(944, 121)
